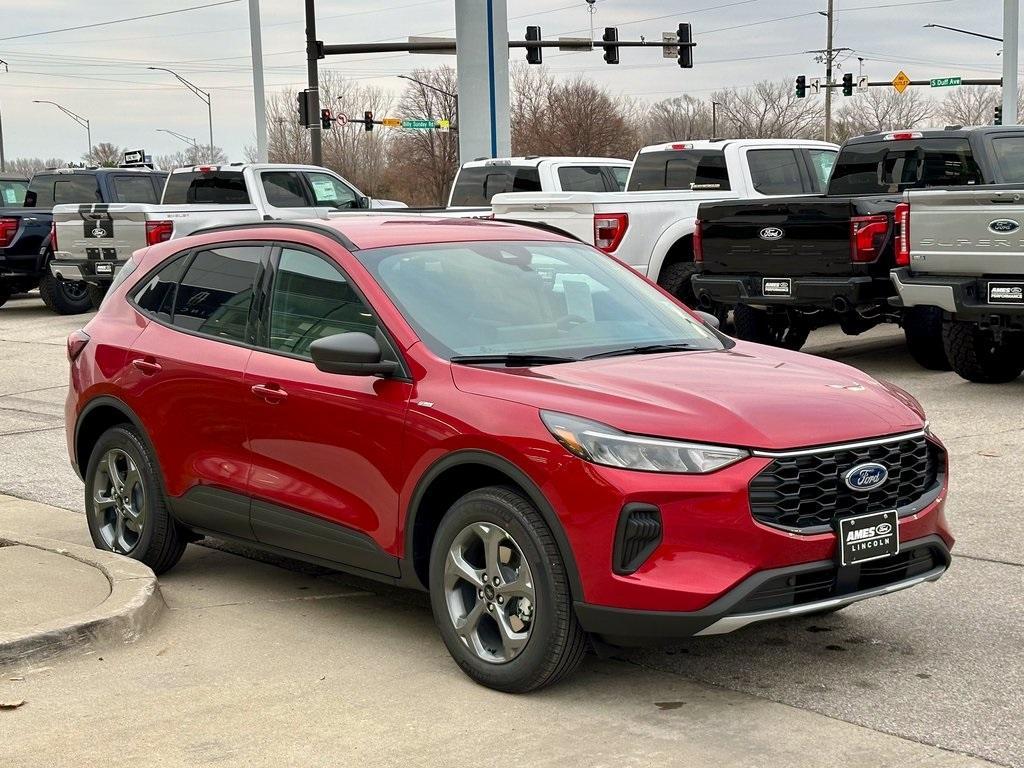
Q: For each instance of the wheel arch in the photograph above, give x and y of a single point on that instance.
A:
(99, 415)
(673, 247)
(450, 478)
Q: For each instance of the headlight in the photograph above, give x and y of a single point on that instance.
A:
(601, 444)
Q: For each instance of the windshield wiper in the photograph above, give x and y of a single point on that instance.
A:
(511, 360)
(649, 349)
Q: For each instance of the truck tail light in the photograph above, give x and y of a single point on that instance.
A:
(698, 242)
(8, 228)
(609, 229)
(867, 236)
(158, 231)
(53, 237)
(76, 343)
(902, 217)
(903, 136)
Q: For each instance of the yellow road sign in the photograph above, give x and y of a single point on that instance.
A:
(900, 82)
(391, 122)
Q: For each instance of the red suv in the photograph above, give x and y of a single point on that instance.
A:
(552, 446)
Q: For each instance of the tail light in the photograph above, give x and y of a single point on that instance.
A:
(609, 229)
(76, 343)
(8, 228)
(867, 236)
(903, 136)
(158, 231)
(698, 242)
(902, 217)
(53, 236)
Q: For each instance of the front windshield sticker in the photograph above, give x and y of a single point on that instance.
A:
(10, 196)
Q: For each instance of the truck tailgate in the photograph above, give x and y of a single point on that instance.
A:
(807, 236)
(101, 231)
(570, 212)
(970, 232)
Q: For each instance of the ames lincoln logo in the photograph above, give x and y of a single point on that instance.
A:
(1003, 226)
(866, 477)
(772, 233)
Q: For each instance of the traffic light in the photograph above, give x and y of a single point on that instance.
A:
(368, 120)
(534, 53)
(801, 87)
(611, 52)
(325, 119)
(999, 115)
(685, 36)
(848, 84)
(307, 108)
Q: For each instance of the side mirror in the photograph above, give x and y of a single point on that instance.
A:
(352, 354)
(30, 199)
(363, 202)
(710, 320)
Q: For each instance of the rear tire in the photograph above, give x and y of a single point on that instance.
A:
(675, 278)
(5, 293)
(784, 331)
(96, 294)
(555, 644)
(63, 296)
(125, 504)
(975, 355)
(923, 328)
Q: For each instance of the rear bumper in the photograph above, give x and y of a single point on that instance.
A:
(764, 596)
(965, 297)
(815, 292)
(90, 271)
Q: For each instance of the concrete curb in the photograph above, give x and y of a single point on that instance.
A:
(129, 611)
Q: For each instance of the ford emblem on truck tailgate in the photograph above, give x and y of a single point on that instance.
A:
(1003, 226)
(866, 477)
(772, 233)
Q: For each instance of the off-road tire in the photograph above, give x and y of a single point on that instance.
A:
(756, 325)
(5, 293)
(557, 643)
(923, 328)
(96, 294)
(975, 356)
(675, 278)
(162, 540)
(59, 299)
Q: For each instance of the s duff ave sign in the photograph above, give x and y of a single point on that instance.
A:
(942, 82)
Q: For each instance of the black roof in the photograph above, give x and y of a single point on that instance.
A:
(13, 177)
(939, 133)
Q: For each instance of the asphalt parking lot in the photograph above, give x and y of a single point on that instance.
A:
(939, 665)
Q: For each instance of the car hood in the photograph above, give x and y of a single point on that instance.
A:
(750, 396)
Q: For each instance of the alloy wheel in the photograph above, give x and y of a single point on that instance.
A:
(489, 591)
(119, 501)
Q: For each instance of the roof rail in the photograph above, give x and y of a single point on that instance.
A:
(309, 226)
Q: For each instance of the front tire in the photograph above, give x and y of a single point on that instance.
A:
(500, 593)
(676, 279)
(923, 328)
(786, 330)
(976, 356)
(64, 296)
(125, 505)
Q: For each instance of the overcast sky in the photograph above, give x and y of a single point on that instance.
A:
(101, 73)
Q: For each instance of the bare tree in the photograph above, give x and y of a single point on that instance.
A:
(104, 154)
(197, 155)
(26, 166)
(975, 104)
(681, 118)
(769, 110)
(884, 110)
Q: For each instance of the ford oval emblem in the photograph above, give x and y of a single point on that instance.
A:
(883, 529)
(866, 477)
(1003, 226)
(772, 233)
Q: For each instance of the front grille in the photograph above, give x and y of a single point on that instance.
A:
(808, 491)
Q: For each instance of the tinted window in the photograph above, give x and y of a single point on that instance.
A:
(215, 294)
(134, 189)
(476, 186)
(775, 171)
(331, 193)
(284, 189)
(891, 166)
(822, 162)
(1009, 152)
(621, 176)
(12, 192)
(157, 295)
(588, 178)
(696, 169)
(76, 188)
(311, 300)
(215, 187)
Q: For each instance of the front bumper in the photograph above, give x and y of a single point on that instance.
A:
(965, 297)
(813, 292)
(774, 594)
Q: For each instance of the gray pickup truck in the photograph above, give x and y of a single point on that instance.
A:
(966, 257)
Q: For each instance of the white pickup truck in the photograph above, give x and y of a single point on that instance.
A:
(93, 240)
(650, 226)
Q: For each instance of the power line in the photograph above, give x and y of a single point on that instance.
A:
(118, 21)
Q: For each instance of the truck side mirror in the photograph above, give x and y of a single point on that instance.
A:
(30, 199)
(364, 202)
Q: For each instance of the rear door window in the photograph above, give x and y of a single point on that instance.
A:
(776, 171)
(134, 189)
(284, 189)
(214, 187)
(1009, 152)
(215, 294)
(690, 169)
(476, 186)
(886, 167)
(77, 188)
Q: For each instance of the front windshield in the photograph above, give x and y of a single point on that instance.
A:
(528, 298)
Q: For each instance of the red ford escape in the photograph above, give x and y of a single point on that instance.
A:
(552, 446)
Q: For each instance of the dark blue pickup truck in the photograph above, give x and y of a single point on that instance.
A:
(26, 246)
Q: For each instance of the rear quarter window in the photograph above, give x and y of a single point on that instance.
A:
(476, 186)
(214, 188)
(583, 178)
(689, 169)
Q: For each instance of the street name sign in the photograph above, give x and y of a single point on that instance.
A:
(943, 82)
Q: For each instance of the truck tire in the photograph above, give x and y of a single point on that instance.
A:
(63, 296)
(675, 278)
(96, 294)
(923, 328)
(758, 326)
(976, 356)
(5, 293)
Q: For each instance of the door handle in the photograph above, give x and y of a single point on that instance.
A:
(148, 367)
(270, 392)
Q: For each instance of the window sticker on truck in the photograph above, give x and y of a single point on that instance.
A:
(1006, 293)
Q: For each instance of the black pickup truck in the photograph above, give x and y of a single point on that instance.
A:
(790, 265)
(26, 246)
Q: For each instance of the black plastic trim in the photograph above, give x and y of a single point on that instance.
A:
(634, 563)
(308, 226)
(214, 509)
(120, 405)
(806, 291)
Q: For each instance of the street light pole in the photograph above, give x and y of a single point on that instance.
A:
(963, 31)
(203, 96)
(181, 136)
(1011, 28)
(77, 118)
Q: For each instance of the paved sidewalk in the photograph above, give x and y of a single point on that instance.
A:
(256, 665)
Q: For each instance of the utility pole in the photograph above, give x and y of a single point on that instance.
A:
(829, 60)
(3, 159)
(259, 96)
(1011, 28)
(312, 64)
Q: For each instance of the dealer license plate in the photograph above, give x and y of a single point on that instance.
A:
(776, 286)
(1006, 293)
(868, 537)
